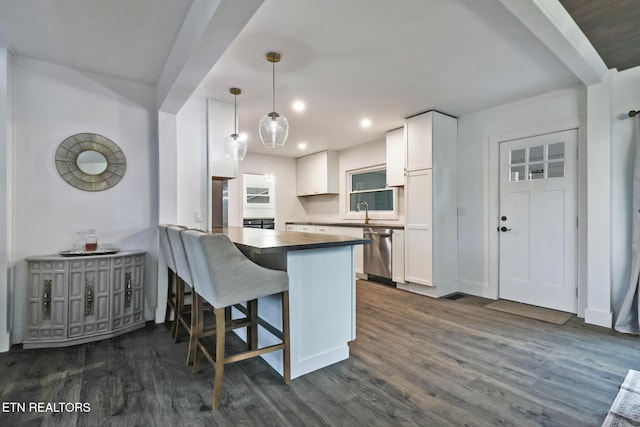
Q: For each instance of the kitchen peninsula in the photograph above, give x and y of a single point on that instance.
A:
(322, 303)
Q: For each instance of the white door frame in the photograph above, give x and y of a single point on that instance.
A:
(493, 206)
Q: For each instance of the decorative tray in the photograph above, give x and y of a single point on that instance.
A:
(89, 253)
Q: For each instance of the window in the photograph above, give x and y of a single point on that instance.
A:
(369, 185)
(539, 162)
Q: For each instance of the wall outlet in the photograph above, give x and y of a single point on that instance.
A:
(198, 215)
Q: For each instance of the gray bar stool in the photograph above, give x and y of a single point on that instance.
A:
(224, 277)
(184, 283)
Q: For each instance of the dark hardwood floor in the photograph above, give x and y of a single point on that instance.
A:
(416, 362)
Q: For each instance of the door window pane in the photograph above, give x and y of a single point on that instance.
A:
(517, 156)
(556, 151)
(536, 171)
(536, 154)
(517, 173)
(555, 170)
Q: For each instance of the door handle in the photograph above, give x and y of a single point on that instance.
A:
(503, 228)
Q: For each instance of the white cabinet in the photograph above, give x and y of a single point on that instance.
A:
(72, 300)
(419, 137)
(335, 230)
(419, 238)
(395, 157)
(323, 229)
(431, 223)
(397, 258)
(306, 228)
(353, 232)
(317, 174)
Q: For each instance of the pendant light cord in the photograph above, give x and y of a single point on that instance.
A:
(235, 115)
(273, 73)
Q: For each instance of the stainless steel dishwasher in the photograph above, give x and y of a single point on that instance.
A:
(377, 254)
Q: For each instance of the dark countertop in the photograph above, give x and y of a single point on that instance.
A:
(270, 241)
(350, 224)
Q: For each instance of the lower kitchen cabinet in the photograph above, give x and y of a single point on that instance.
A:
(72, 300)
(353, 232)
(336, 230)
(397, 259)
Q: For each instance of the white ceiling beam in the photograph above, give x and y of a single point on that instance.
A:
(551, 23)
(207, 31)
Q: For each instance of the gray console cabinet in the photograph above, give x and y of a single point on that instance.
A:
(72, 300)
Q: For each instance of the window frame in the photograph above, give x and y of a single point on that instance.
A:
(354, 215)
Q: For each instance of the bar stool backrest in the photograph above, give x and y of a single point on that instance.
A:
(166, 246)
(223, 275)
(179, 256)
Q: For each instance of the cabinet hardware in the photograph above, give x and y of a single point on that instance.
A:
(88, 297)
(127, 295)
(46, 300)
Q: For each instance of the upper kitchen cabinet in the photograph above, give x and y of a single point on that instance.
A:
(317, 174)
(429, 135)
(396, 156)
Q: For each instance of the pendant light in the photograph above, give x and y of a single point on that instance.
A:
(273, 127)
(235, 146)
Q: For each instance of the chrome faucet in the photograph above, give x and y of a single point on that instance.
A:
(366, 210)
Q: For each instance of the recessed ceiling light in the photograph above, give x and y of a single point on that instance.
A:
(298, 106)
(302, 145)
(365, 123)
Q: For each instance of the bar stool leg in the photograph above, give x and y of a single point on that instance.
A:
(219, 362)
(193, 335)
(170, 297)
(198, 321)
(178, 309)
(252, 329)
(286, 353)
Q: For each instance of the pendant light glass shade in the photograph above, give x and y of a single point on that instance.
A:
(273, 127)
(235, 146)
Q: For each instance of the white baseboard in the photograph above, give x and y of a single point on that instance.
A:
(5, 342)
(160, 312)
(598, 317)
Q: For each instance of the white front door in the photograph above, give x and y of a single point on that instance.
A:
(538, 220)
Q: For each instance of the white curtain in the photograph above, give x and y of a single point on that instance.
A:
(628, 320)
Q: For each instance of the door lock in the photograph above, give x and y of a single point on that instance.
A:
(503, 228)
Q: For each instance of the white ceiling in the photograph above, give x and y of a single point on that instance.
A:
(130, 39)
(346, 59)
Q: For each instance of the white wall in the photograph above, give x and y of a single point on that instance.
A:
(478, 134)
(288, 206)
(6, 196)
(333, 208)
(192, 182)
(53, 102)
(625, 137)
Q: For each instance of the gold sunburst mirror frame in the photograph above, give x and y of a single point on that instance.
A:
(90, 162)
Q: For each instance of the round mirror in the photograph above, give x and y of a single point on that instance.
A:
(92, 162)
